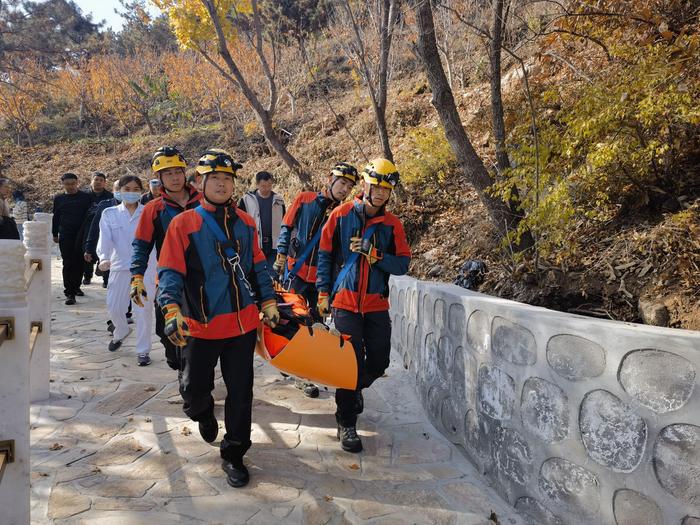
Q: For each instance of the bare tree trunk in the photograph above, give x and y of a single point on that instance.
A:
(235, 76)
(389, 15)
(499, 128)
(147, 118)
(472, 166)
(29, 136)
(378, 94)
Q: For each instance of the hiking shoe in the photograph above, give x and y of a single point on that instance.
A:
(309, 389)
(114, 345)
(359, 402)
(236, 473)
(209, 428)
(144, 359)
(349, 440)
(70, 300)
(80, 293)
(87, 281)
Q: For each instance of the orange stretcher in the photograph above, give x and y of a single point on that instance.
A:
(311, 352)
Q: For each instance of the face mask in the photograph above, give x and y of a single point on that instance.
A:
(130, 197)
(118, 196)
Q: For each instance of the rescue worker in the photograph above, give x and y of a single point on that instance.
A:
(211, 274)
(361, 245)
(297, 246)
(169, 166)
(114, 249)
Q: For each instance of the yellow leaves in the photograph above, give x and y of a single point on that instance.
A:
(430, 158)
(22, 101)
(250, 128)
(192, 23)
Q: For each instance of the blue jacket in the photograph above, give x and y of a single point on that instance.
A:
(194, 272)
(365, 288)
(305, 217)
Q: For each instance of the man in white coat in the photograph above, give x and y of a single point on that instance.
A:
(114, 249)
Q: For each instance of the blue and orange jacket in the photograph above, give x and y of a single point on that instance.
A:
(307, 215)
(365, 288)
(217, 303)
(153, 224)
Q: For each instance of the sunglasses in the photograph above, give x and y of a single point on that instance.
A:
(390, 178)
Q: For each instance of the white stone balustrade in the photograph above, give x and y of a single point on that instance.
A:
(14, 383)
(36, 241)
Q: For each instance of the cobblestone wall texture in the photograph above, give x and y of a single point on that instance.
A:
(573, 420)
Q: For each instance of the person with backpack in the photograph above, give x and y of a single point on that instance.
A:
(213, 282)
(297, 246)
(361, 245)
(169, 165)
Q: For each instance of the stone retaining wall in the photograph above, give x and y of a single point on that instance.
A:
(572, 419)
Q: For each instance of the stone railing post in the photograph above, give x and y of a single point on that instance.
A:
(46, 218)
(36, 240)
(14, 383)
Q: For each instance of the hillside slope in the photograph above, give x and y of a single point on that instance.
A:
(445, 222)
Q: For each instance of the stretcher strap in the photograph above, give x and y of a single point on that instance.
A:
(168, 215)
(290, 275)
(350, 262)
(226, 243)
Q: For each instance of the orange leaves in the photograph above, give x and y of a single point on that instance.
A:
(21, 99)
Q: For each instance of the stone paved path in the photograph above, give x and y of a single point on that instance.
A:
(111, 446)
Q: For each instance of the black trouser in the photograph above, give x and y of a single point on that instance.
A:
(73, 262)
(270, 256)
(370, 335)
(197, 382)
(171, 351)
(310, 293)
(88, 269)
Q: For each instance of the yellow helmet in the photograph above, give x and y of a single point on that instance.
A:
(381, 172)
(343, 169)
(217, 160)
(167, 157)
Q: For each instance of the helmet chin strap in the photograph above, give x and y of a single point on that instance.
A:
(368, 198)
(330, 189)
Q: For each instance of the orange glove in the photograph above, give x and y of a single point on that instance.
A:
(175, 326)
(138, 290)
(271, 315)
(366, 248)
(280, 263)
(323, 305)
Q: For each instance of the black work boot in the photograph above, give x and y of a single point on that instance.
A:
(236, 473)
(359, 402)
(208, 427)
(349, 440)
(309, 389)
